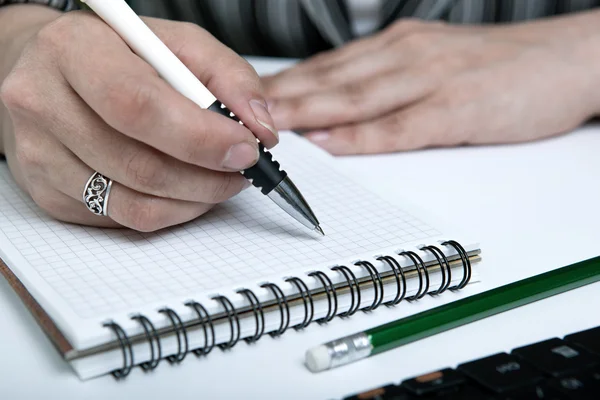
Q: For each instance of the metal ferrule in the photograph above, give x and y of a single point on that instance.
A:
(349, 349)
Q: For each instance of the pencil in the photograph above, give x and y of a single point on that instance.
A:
(473, 308)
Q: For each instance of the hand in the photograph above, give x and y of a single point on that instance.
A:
(80, 101)
(419, 84)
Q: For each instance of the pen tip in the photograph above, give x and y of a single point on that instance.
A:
(318, 229)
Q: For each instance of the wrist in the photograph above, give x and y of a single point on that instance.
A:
(18, 23)
(583, 33)
(574, 40)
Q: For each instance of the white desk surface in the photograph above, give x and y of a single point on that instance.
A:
(533, 208)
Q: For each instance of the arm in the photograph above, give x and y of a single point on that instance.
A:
(18, 24)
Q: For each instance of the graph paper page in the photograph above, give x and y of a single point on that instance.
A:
(98, 271)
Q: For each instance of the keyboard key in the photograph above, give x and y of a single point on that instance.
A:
(537, 392)
(464, 392)
(556, 357)
(585, 386)
(589, 340)
(444, 381)
(389, 392)
(501, 372)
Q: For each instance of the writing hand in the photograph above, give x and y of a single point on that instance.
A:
(80, 101)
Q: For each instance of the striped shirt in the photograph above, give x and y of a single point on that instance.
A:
(299, 28)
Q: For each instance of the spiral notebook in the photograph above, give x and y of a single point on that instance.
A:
(115, 299)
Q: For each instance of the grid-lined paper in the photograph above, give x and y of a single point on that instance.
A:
(246, 238)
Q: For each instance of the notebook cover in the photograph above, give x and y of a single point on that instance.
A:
(42, 318)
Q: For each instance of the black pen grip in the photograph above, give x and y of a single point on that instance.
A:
(266, 174)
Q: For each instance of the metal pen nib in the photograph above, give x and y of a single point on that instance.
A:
(289, 198)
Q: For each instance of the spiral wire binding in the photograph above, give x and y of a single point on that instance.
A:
(281, 302)
(352, 283)
(128, 363)
(332, 306)
(465, 261)
(420, 267)
(306, 299)
(445, 269)
(347, 272)
(152, 338)
(377, 284)
(204, 319)
(181, 332)
(231, 316)
(259, 315)
(398, 274)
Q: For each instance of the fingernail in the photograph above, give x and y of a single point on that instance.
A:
(270, 104)
(261, 113)
(241, 156)
(247, 184)
(317, 136)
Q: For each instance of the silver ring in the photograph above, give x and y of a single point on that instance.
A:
(96, 193)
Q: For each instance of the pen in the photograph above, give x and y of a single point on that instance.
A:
(266, 173)
(406, 330)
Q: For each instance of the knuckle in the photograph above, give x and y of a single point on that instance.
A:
(147, 171)
(57, 34)
(389, 137)
(144, 214)
(354, 139)
(187, 35)
(237, 72)
(419, 39)
(224, 187)
(27, 152)
(131, 101)
(196, 148)
(18, 93)
(404, 25)
(327, 75)
(443, 63)
(190, 28)
(295, 109)
(9, 92)
(401, 131)
(354, 95)
(44, 200)
(247, 76)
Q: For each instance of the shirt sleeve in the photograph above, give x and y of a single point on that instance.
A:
(62, 5)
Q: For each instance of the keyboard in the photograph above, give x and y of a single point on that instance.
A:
(553, 369)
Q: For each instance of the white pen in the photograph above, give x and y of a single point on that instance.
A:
(266, 173)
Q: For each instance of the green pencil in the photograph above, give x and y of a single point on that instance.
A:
(406, 330)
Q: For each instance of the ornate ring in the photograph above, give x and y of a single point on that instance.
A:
(96, 192)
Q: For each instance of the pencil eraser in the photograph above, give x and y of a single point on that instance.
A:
(318, 359)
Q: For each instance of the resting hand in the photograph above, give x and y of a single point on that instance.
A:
(421, 84)
(80, 101)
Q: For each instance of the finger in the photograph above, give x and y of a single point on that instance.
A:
(126, 207)
(147, 213)
(326, 77)
(415, 127)
(228, 76)
(64, 208)
(128, 94)
(353, 102)
(355, 49)
(135, 164)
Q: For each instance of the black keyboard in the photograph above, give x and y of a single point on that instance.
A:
(553, 369)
